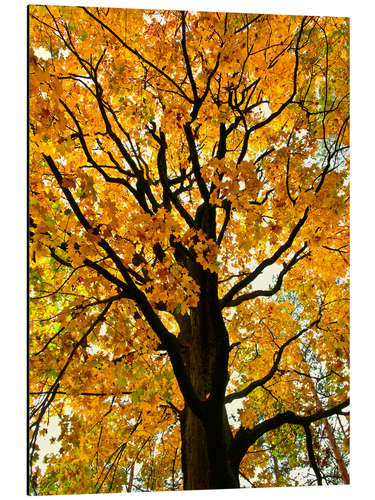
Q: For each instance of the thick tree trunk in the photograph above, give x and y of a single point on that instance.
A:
(205, 457)
(195, 462)
(205, 444)
(204, 340)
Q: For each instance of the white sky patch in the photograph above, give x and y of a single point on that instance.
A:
(64, 53)
(42, 53)
(265, 279)
(265, 109)
(232, 411)
(44, 442)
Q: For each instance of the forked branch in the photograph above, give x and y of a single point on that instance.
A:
(245, 437)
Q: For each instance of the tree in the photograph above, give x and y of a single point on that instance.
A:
(176, 158)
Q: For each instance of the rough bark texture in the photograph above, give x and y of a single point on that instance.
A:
(206, 442)
(198, 359)
(195, 463)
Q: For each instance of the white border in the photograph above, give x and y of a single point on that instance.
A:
(13, 230)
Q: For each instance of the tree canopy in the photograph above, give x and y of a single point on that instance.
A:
(189, 232)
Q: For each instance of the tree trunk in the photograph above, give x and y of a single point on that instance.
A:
(205, 458)
(276, 470)
(205, 348)
(205, 443)
(332, 441)
(194, 453)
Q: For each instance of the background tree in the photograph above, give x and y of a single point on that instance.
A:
(175, 159)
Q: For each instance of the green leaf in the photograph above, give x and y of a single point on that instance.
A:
(56, 327)
(56, 206)
(49, 220)
(136, 396)
(121, 381)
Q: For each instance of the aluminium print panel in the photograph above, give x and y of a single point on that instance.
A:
(189, 258)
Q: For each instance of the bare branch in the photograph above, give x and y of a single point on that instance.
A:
(245, 437)
(180, 92)
(277, 358)
(310, 451)
(227, 299)
(271, 291)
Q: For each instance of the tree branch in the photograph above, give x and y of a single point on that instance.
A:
(195, 162)
(133, 292)
(277, 358)
(168, 193)
(245, 437)
(311, 454)
(225, 223)
(227, 299)
(268, 293)
(276, 113)
(187, 60)
(180, 92)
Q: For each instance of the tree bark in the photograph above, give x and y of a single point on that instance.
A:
(205, 442)
(206, 439)
(332, 441)
(205, 452)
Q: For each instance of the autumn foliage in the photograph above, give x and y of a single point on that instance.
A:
(189, 220)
